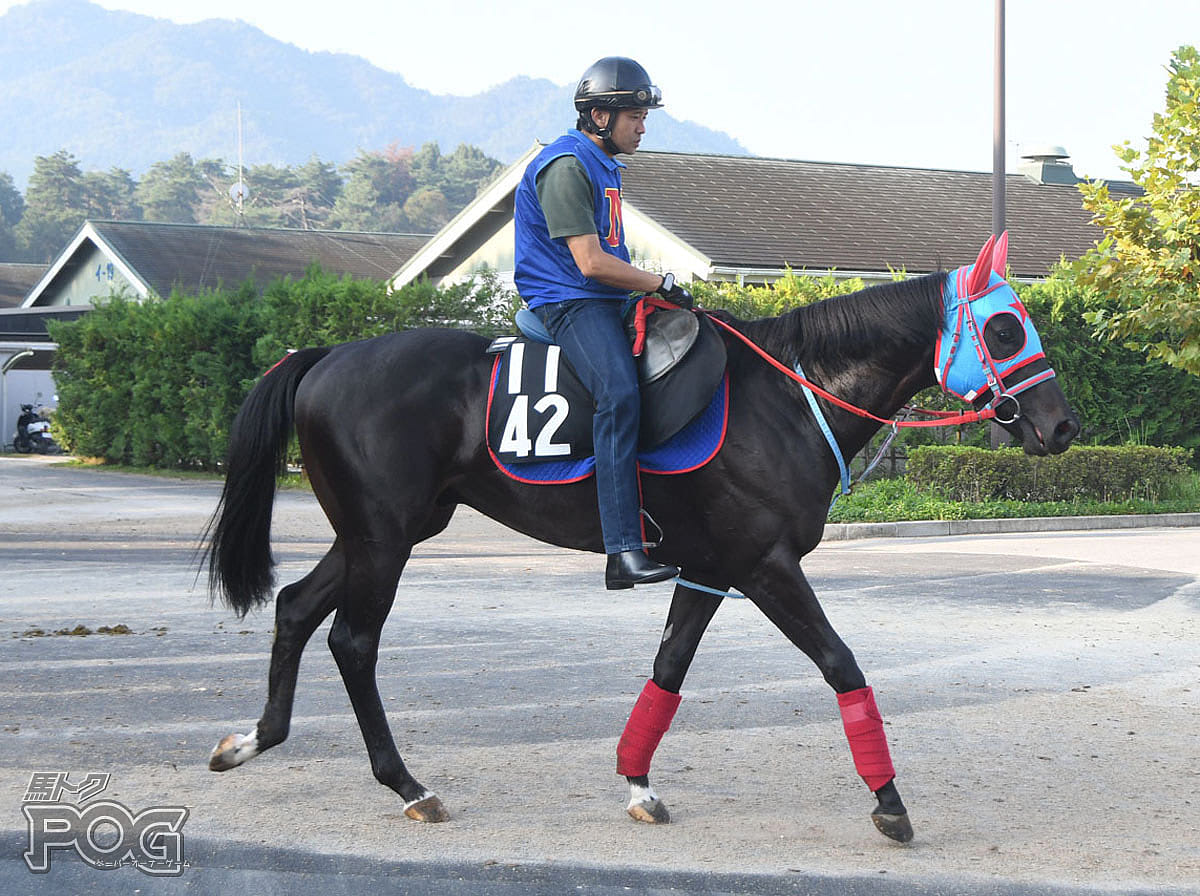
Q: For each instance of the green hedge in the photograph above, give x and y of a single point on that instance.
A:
(1082, 473)
(157, 383)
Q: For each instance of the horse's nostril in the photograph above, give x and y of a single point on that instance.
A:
(1066, 430)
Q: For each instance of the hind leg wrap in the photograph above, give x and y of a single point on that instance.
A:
(649, 721)
(864, 731)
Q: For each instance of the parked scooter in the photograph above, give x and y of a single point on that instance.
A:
(33, 432)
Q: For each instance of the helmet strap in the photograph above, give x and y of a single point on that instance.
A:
(604, 133)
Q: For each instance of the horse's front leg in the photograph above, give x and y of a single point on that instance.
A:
(778, 587)
(690, 613)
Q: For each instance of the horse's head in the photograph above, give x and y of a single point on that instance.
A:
(989, 353)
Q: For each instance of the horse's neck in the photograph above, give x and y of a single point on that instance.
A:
(880, 379)
(881, 385)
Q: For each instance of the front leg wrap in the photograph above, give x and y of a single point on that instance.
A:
(868, 743)
(649, 721)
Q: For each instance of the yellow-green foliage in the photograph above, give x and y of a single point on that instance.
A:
(786, 293)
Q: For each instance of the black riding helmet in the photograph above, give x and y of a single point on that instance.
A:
(614, 82)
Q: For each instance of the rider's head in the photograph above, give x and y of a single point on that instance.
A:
(609, 86)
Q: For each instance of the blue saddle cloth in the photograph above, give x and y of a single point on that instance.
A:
(689, 449)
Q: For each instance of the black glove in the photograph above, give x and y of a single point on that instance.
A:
(674, 293)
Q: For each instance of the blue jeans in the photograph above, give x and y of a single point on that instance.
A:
(592, 337)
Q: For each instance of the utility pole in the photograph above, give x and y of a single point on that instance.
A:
(997, 435)
(998, 128)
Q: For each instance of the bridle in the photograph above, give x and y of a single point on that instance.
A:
(986, 385)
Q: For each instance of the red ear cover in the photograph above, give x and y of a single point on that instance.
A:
(982, 272)
(1000, 255)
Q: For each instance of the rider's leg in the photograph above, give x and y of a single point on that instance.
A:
(592, 336)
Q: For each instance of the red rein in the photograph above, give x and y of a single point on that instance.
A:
(943, 418)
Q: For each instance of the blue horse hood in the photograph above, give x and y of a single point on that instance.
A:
(963, 363)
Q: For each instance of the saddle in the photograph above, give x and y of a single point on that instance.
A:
(538, 410)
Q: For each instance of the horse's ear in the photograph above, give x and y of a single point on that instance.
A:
(982, 272)
(1000, 255)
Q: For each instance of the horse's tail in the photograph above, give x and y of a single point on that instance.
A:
(240, 565)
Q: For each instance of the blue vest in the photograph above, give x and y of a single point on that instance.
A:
(545, 269)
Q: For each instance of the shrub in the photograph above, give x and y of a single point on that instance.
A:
(1083, 473)
(157, 383)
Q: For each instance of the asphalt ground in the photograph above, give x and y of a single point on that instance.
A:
(1040, 692)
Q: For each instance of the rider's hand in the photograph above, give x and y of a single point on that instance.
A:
(674, 293)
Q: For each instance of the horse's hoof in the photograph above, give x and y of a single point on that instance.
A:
(649, 811)
(897, 827)
(429, 808)
(232, 751)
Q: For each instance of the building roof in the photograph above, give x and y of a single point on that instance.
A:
(728, 217)
(756, 213)
(160, 257)
(16, 280)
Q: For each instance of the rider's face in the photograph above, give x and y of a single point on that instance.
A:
(628, 126)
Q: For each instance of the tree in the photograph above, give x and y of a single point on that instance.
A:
(312, 199)
(377, 186)
(426, 210)
(110, 195)
(170, 191)
(464, 172)
(269, 187)
(1146, 269)
(54, 206)
(12, 207)
(426, 166)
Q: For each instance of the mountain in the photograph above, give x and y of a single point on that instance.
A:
(127, 90)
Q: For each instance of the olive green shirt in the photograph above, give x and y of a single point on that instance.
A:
(565, 193)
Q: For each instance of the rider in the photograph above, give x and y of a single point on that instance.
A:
(573, 269)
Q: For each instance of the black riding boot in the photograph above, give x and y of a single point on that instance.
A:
(630, 568)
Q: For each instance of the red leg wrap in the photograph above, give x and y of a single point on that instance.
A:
(649, 721)
(868, 743)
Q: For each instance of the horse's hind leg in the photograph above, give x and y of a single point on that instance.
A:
(373, 570)
(689, 616)
(778, 587)
(299, 609)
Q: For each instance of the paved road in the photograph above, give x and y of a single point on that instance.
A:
(1040, 692)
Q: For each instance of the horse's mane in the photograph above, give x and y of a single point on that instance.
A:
(905, 313)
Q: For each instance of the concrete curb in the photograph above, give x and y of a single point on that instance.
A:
(938, 528)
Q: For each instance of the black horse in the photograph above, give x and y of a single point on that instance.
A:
(391, 430)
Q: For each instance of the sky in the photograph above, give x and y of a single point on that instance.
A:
(896, 82)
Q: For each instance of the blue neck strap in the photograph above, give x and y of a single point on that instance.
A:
(843, 470)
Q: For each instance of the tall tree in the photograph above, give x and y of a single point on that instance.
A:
(377, 186)
(464, 172)
(426, 166)
(12, 207)
(269, 187)
(54, 206)
(426, 210)
(1146, 269)
(310, 202)
(170, 191)
(110, 195)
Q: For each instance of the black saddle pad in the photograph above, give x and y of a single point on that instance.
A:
(538, 409)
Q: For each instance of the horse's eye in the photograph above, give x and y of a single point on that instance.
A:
(1005, 336)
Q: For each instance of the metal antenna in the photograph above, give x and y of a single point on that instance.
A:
(239, 192)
